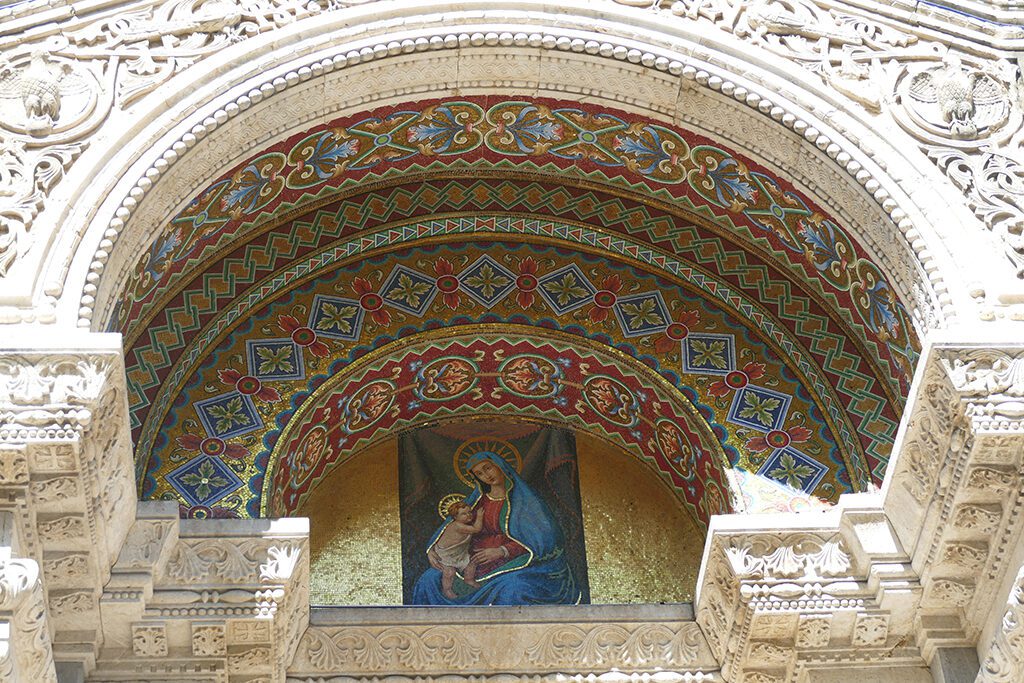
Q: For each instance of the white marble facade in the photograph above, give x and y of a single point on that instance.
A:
(903, 118)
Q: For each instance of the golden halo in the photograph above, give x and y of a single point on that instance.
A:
(446, 503)
(470, 448)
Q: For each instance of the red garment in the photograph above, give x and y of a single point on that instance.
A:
(493, 536)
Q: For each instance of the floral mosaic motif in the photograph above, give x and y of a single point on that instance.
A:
(204, 481)
(255, 185)
(320, 157)
(335, 318)
(444, 379)
(248, 385)
(791, 468)
(759, 408)
(544, 131)
(566, 289)
(366, 405)
(228, 415)
(487, 281)
(713, 354)
(613, 400)
(642, 314)
(534, 376)
(274, 359)
(408, 290)
(678, 447)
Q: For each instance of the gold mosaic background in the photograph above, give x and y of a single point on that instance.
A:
(355, 533)
(642, 547)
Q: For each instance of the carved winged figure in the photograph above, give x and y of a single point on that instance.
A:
(40, 86)
(766, 16)
(965, 99)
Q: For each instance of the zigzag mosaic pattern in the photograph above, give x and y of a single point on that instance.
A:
(792, 310)
(562, 134)
(667, 201)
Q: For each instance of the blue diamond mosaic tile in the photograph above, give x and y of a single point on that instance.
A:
(759, 408)
(791, 468)
(566, 289)
(204, 481)
(709, 354)
(408, 290)
(274, 359)
(642, 314)
(336, 318)
(487, 281)
(228, 415)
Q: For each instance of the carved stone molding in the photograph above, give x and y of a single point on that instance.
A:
(543, 641)
(58, 88)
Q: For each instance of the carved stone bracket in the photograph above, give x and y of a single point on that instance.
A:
(201, 599)
(777, 599)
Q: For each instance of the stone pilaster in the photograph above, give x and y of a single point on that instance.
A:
(66, 474)
(955, 488)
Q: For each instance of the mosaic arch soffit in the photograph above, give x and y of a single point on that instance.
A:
(92, 295)
(544, 140)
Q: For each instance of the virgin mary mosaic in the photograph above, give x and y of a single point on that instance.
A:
(491, 516)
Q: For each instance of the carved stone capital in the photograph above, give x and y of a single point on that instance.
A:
(25, 650)
(1005, 660)
(774, 594)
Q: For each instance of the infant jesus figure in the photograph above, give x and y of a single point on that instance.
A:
(450, 552)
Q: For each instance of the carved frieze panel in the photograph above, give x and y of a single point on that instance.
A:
(461, 646)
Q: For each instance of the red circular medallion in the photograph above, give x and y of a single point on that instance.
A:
(212, 446)
(371, 301)
(737, 379)
(604, 299)
(447, 284)
(777, 438)
(303, 336)
(677, 331)
(248, 385)
(527, 283)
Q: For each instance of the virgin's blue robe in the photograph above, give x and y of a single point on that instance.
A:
(541, 576)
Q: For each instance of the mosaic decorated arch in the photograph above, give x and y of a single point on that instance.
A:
(694, 279)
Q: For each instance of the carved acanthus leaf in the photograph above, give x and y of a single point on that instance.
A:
(767, 556)
(615, 645)
(396, 648)
(993, 184)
